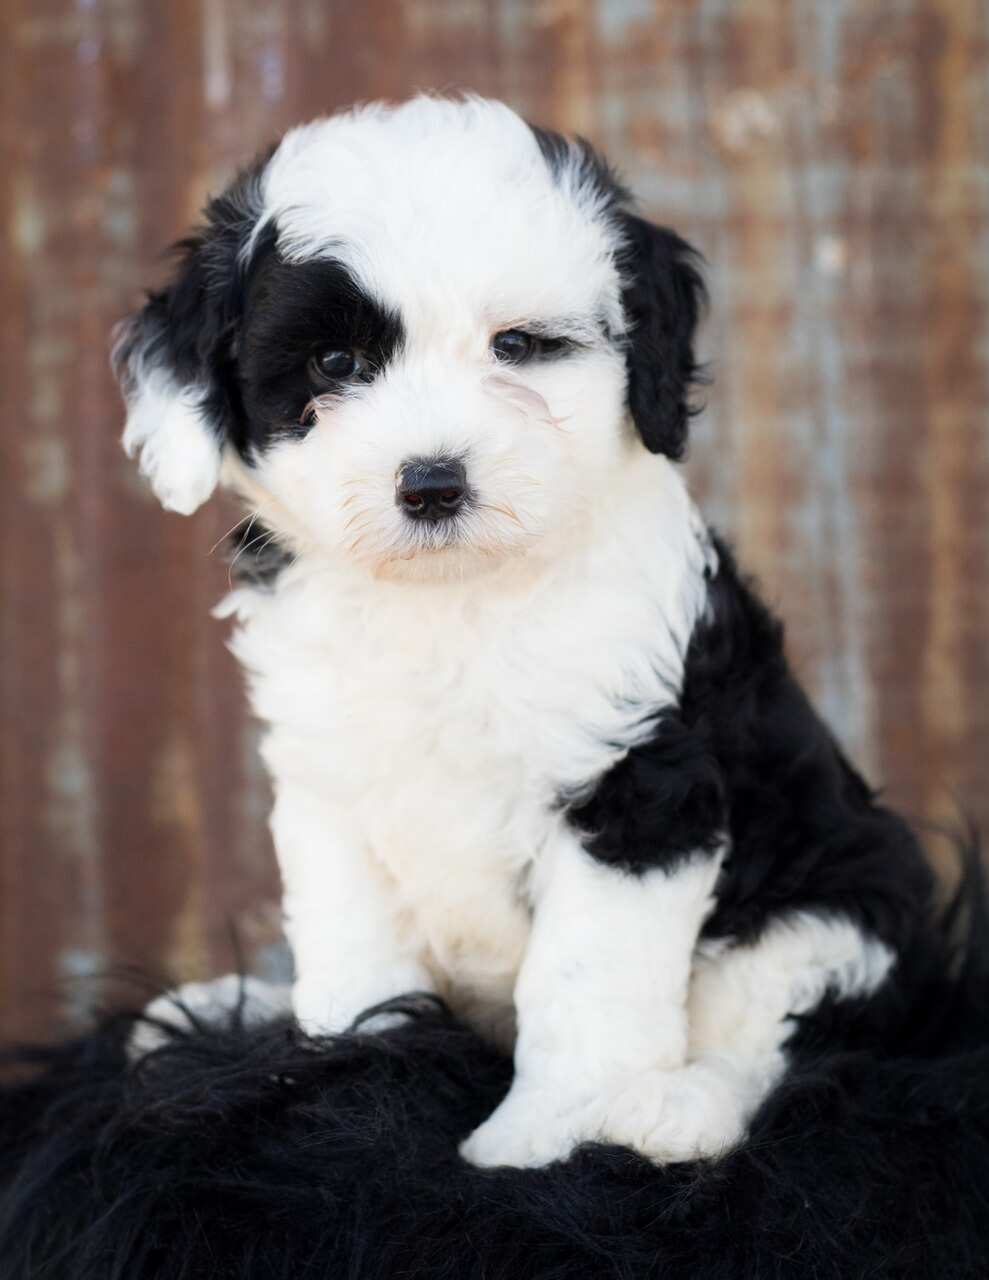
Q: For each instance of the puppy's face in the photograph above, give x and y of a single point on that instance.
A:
(420, 338)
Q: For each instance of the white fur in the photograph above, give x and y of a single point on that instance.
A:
(431, 692)
(496, 244)
(208, 1002)
(675, 1100)
(740, 994)
(421, 733)
(601, 997)
(178, 453)
(449, 209)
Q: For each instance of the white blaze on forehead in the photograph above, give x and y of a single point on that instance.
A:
(440, 203)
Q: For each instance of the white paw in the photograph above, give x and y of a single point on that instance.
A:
(322, 1010)
(695, 1112)
(531, 1128)
(207, 1002)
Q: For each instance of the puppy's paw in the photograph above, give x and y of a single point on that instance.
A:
(323, 1008)
(530, 1129)
(696, 1112)
(212, 1003)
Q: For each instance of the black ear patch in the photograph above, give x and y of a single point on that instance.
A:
(663, 298)
(188, 329)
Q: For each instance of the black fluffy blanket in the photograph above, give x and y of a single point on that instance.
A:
(261, 1153)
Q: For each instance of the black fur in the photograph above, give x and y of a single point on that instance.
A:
(663, 297)
(256, 556)
(663, 300)
(560, 152)
(245, 328)
(294, 310)
(746, 753)
(189, 328)
(262, 1155)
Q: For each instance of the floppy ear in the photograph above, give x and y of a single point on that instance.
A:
(663, 297)
(175, 359)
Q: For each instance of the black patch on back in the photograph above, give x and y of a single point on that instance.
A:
(666, 797)
(292, 311)
(745, 752)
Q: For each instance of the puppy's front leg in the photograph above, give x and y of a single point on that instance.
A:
(601, 998)
(353, 947)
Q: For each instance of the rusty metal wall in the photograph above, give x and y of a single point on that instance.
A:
(831, 160)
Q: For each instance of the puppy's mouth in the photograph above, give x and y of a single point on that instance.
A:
(437, 526)
(448, 551)
(433, 540)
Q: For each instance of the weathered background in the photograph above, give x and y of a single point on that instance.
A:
(830, 159)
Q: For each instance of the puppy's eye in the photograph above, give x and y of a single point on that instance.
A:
(512, 346)
(515, 346)
(337, 366)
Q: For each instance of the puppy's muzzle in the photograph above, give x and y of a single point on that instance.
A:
(431, 488)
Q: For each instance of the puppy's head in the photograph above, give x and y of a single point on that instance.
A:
(424, 338)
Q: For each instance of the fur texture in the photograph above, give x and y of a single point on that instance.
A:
(541, 756)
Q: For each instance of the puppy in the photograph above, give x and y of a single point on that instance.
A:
(534, 742)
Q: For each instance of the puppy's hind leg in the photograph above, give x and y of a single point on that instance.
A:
(741, 1011)
(234, 998)
(742, 1006)
(743, 999)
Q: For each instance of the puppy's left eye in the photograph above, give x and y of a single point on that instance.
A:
(515, 346)
(334, 365)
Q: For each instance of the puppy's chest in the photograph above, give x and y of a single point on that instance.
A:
(443, 732)
(444, 741)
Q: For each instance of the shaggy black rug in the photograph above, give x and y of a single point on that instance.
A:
(260, 1154)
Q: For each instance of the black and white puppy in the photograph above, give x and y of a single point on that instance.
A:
(535, 745)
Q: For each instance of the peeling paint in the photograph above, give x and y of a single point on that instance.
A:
(46, 470)
(831, 255)
(28, 230)
(743, 118)
(615, 17)
(216, 54)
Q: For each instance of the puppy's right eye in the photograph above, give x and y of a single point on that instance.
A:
(335, 365)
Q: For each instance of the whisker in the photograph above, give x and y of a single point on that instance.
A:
(505, 509)
(265, 538)
(251, 515)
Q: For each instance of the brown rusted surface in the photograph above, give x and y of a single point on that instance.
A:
(831, 160)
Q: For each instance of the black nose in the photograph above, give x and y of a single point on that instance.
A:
(431, 489)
